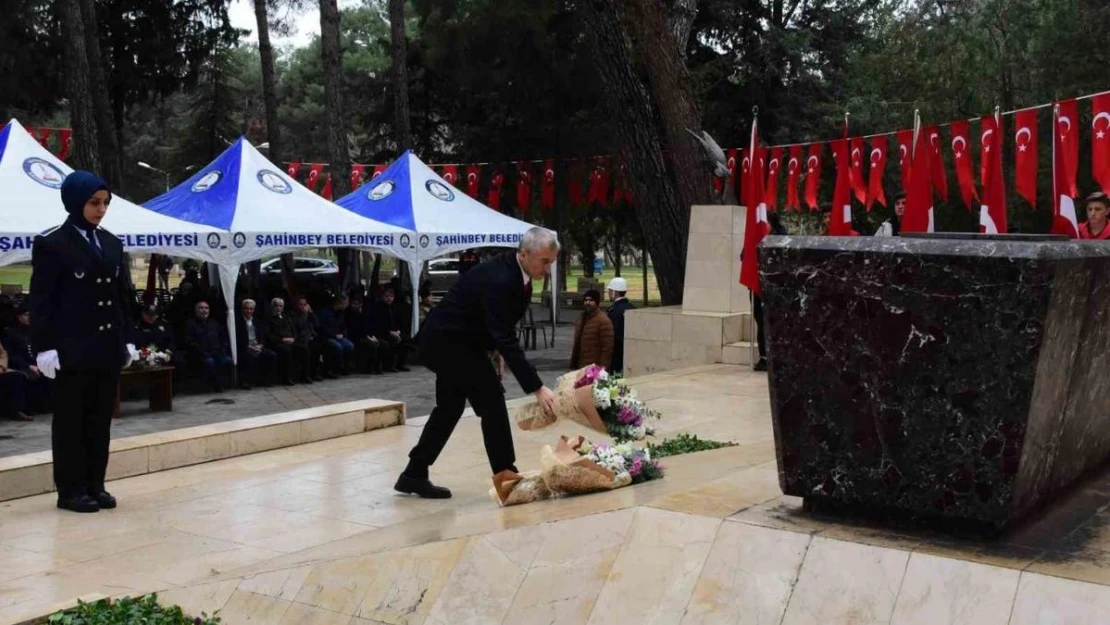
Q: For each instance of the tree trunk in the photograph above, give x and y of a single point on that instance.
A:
(680, 21)
(86, 151)
(659, 208)
(402, 132)
(338, 154)
(111, 161)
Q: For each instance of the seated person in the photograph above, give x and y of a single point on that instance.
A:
(13, 391)
(208, 348)
(389, 332)
(333, 331)
(308, 337)
(256, 361)
(152, 332)
(21, 357)
(281, 337)
(360, 328)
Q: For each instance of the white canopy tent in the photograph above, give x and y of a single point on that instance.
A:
(438, 218)
(256, 210)
(31, 178)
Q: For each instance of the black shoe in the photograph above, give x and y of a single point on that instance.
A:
(422, 487)
(105, 500)
(79, 503)
(761, 365)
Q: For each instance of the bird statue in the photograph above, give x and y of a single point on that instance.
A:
(717, 156)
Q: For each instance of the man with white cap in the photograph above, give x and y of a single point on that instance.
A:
(618, 289)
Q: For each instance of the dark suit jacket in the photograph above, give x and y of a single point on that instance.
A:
(481, 311)
(616, 315)
(386, 320)
(77, 299)
(241, 332)
(17, 340)
(206, 339)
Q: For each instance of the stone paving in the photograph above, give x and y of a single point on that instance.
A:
(416, 388)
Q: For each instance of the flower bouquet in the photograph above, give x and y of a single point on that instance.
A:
(597, 400)
(150, 358)
(577, 466)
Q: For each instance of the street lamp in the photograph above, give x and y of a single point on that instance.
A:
(156, 170)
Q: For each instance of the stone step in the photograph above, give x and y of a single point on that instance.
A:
(739, 353)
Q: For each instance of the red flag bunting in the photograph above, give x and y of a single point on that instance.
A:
(547, 186)
(730, 161)
(599, 182)
(574, 183)
(473, 177)
(1025, 156)
(1065, 157)
(774, 166)
(65, 139)
(755, 218)
(495, 184)
(293, 169)
(326, 192)
(855, 174)
(523, 187)
(315, 170)
(905, 158)
(793, 168)
(745, 172)
(450, 174)
(938, 173)
(813, 175)
(992, 214)
(877, 159)
(1100, 140)
(961, 158)
(357, 172)
(378, 170)
(919, 197)
(43, 136)
(840, 214)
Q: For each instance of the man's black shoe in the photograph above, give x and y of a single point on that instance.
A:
(422, 487)
(761, 365)
(79, 503)
(105, 500)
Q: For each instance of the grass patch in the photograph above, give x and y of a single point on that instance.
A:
(685, 444)
(127, 611)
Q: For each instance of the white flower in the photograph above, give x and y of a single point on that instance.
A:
(638, 432)
(601, 397)
(603, 375)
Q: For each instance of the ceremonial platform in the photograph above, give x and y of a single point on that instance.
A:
(313, 534)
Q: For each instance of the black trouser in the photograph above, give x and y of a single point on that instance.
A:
(287, 354)
(463, 374)
(81, 429)
(256, 367)
(393, 352)
(369, 352)
(13, 393)
(308, 354)
(757, 313)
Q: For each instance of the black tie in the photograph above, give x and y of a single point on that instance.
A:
(95, 247)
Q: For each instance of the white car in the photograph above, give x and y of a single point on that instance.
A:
(303, 266)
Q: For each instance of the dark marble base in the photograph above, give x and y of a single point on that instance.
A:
(937, 379)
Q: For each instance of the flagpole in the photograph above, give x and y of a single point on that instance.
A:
(752, 330)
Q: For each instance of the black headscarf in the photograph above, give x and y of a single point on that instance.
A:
(77, 188)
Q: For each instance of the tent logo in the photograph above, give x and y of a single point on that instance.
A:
(239, 240)
(207, 181)
(424, 240)
(274, 182)
(43, 172)
(213, 240)
(405, 240)
(439, 191)
(381, 190)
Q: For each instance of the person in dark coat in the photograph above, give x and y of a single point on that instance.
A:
(338, 348)
(257, 362)
(360, 329)
(308, 336)
(476, 317)
(152, 332)
(390, 331)
(208, 347)
(17, 341)
(281, 337)
(618, 294)
(79, 330)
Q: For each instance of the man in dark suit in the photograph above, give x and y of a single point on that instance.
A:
(17, 341)
(79, 330)
(618, 293)
(208, 347)
(152, 332)
(475, 318)
(256, 361)
(387, 326)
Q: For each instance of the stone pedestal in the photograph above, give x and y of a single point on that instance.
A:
(712, 325)
(945, 380)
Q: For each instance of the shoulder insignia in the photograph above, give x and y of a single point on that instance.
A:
(50, 231)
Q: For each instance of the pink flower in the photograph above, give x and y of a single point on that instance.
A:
(589, 376)
(628, 416)
(637, 466)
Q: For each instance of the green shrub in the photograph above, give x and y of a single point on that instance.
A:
(684, 444)
(128, 611)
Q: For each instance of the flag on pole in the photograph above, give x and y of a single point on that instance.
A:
(875, 192)
(961, 157)
(1065, 154)
(992, 213)
(1100, 140)
(1025, 156)
(793, 168)
(919, 198)
(813, 175)
(755, 219)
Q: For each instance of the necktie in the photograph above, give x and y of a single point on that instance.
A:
(94, 244)
(528, 291)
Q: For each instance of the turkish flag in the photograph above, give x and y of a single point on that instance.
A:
(65, 138)
(742, 179)
(774, 166)
(326, 192)
(44, 137)
(1025, 156)
(1065, 157)
(961, 157)
(293, 169)
(450, 175)
(314, 172)
(732, 156)
(840, 215)
(813, 175)
(378, 170)
(992, 213)
(905, 156)
(1100, 140)
(919, 197)
(599, 183)
(755, 219)
(547, 186)
(473, 177)
(855, 173)
(938, 173)
(523, 187)
(877, 158)
(495, 184)
(621, 190)
(357, 172)
(793, 168)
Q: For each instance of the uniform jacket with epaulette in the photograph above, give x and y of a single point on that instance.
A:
(77, 298)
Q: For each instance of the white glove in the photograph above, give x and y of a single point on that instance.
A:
(48, 363)
(132, 355)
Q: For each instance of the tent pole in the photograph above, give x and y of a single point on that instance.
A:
(414, 273)
(229, 275)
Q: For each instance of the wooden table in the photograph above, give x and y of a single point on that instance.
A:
(159, 382)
